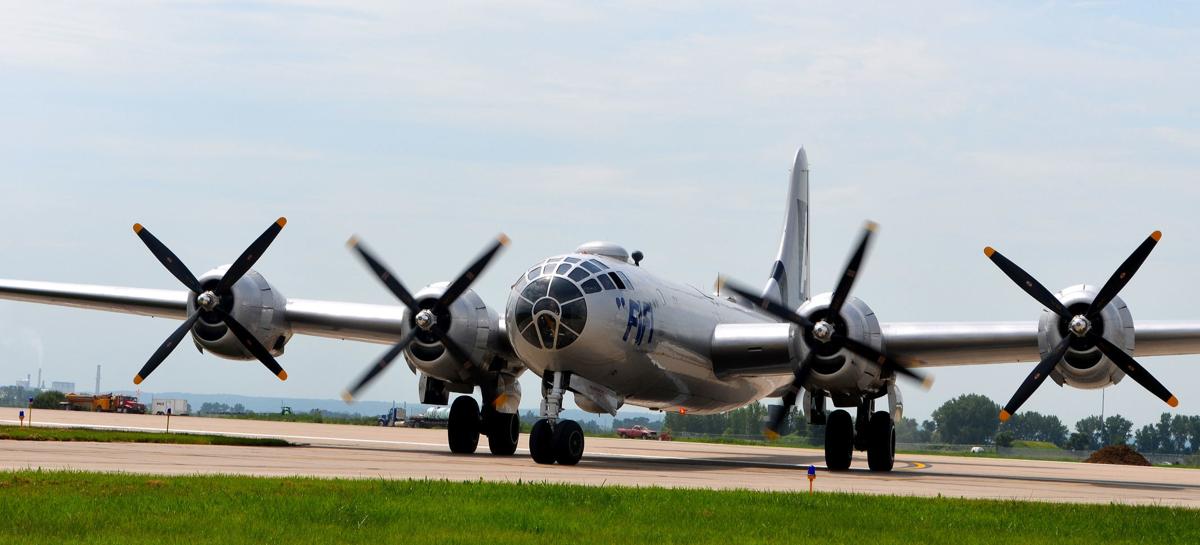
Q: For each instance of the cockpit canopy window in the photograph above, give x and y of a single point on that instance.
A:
(578, 274)
(617, 280)
(604, 281)
(551, 312)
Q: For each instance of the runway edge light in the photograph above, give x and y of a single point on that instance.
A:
(812, 476)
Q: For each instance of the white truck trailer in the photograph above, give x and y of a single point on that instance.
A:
(179, 407)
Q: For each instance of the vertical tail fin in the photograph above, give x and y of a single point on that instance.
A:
(789, 283)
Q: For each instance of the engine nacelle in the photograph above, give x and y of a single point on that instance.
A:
(472, 325)
(837, 370)
(1084, 366)
(255, 304)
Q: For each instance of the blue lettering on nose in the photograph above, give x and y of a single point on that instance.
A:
(641, 319)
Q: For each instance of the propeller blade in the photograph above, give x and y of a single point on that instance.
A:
(166, 348)
(775, 424)
(452, 346)
(851, 272)
(464, 280)
(1133, 369)
(898, 364)
(770, 307)
(380, 366)
(250, 256)
(384, 274)
(1028, 283)
(1123, 274)
(252, 344)
(1035, 379)
(168, 259)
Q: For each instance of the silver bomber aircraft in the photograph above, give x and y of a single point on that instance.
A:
(595, 323)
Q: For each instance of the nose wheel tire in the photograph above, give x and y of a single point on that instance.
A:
(541, 442)
(503, 430)
(463, 429)
(839, 441)
(568, 442)
(881, 452)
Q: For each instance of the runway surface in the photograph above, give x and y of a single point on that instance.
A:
(398, 453)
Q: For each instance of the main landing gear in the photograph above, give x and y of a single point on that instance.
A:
(553, 440)
(467, 421)
(874, 432)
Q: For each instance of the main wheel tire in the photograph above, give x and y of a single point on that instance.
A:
(503, 430)
(463, 428)
(839, 441)
(541, 442)
(881, 453)
(568, 442)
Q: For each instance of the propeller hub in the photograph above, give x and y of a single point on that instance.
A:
(1079, 326)
(208, 300)
(425, 319)
(822, 331)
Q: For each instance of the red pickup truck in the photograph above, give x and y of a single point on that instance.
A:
(637, 432)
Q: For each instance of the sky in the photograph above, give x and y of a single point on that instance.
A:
(1062, 133)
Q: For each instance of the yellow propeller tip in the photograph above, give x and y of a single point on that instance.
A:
(347, 397)
(988, 251)
(137, 228)
(772, 435)
(1156, 235)
(281, 221)
(1174, 402)
(872, 226)
(352, 242)
(138, 379)
(504, 240)
(927, 383)
(282, 375)
(1004, 415)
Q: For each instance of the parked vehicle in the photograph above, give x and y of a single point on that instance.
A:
(179, 407)
(637, 432)
(105, 403)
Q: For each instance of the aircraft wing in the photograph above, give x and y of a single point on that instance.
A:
(941, 344)
(351, 321)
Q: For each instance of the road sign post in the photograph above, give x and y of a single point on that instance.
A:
(31, 411)
(812, 476)
(168, 420)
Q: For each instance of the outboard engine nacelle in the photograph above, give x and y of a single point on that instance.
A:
(255, 304)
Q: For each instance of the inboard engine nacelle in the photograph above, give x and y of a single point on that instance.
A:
(255, 304)
(469, 323)
(774, 348)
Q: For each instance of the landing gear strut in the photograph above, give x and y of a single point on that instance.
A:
(553, 440)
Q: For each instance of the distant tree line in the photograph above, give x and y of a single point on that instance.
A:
(18, 396)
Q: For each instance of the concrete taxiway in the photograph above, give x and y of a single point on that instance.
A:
(328, 450)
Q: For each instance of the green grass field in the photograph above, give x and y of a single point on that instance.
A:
(67, 507)
(120, 436)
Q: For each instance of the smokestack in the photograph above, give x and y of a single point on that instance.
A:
(39, 384)
(97, 392)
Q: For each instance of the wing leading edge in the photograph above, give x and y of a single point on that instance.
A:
(942, 344)
(351, 321)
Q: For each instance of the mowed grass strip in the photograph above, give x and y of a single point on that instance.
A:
(120, 436)
(71, 507)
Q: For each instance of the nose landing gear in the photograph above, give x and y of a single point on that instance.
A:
(553, 440)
